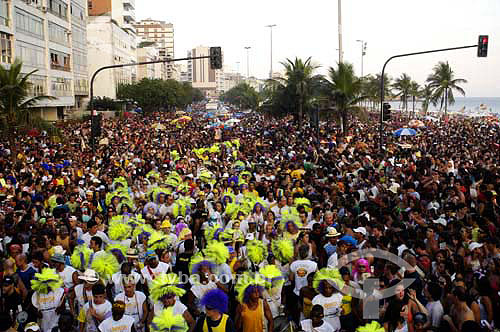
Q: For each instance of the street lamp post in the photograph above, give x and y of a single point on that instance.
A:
(248, 59)
(340, 29)
(238, 72)
(271, 26)
(363, 52)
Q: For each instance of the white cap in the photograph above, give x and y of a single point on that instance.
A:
(361, 230)
(250, 237)
(474, 245)
(394, 188)
(89, 276)
(441, 221)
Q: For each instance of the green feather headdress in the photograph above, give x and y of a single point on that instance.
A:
(373, 326)
(246, 280)
(272, 276)
(306, 203)
(283, 250)
(166, 321)
(212, 233)
(142, 228)
(166, 284)
(197, 261)
(45, 281)
(81, 257)
(105, 265)
(119, 231)
(256, 251)
(174, 154)
(330, 275)
(158, 240)
(120, 180)
(217, 252)
(118, 250)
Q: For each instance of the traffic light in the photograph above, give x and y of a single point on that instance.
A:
(482, 46)
(215, 58)
(96, 126)
(386, 115)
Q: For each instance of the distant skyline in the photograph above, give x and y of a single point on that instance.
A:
(310, 29)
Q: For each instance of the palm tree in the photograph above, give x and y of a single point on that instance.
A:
(402, 87)
(442, 82)
(15, 100)
(427, 95)
(299, 83)
(346, 90)
(414, 92)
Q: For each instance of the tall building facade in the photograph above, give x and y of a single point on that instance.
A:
(154, 70)
(49, 36)
(208, 80)
(111, 40)
(162, 34)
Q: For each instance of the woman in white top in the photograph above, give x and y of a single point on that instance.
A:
(136, 304)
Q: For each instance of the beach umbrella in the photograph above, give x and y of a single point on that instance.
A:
(416, 124)
(405, 132)
(159, 126)
(232, 121)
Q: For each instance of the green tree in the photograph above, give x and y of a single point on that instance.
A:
(414, 92)
(402, 86)
(15, 99)
(346, 90)
(427, 97)
(242, 95)
(298, 85)
(442, 82)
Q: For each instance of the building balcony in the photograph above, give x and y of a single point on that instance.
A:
(59, 67)
(130, 3)
(128, 15)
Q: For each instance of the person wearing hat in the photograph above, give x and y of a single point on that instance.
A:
(153, 267)
(331, 244)
(126, 273)
(360, 234)
(11, 298)
(82, 293)
(31, 327)
(96, 310)
(68, 274)
(118, 322)
(215, 303)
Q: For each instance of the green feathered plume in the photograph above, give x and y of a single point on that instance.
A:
(166, 284)
(217, 252)
(121, 180)
(331, 275)
(272, 276)
(166, 321)
(211, 232)
(45, 281)
(52, 202)
(373, 326)
(158, 240)
(119, 231)
(118, 250)
(81, 257)
(215, 148)
(153, 174)
(256, 251)
(283, 250)
(142, 228)
(232, 210)
(306, 203)
(197, 261)
(174, 155)
(236, 142)
(290, 217)
(245, 280)
(105, 265)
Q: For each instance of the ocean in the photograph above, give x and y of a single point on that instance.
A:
(472, 106)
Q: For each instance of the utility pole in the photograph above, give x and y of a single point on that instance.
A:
(340, 31)
(363, 52)
(248, 60)
(271, 26)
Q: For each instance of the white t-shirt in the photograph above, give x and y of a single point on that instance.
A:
(80, 299)
(67, 276)
(301, 269)
(436, 312)
(87, 237)
(122, 325)
(47, 305)
(101, 310)
(307, 326)
(149, 276)
(332, 307)
(178, 309)
(133, 305)
(118, 284)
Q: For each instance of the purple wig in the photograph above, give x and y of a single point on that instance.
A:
(215, 299)
(249, 290)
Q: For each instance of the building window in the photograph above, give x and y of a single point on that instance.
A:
(79, 62)
(77, 14)
(58, 8)
(29, 24)
(5, 48)
(31, 55)
(58, 34)
(79, 37)
(59, 61)
(90, 5)
(61, 87)
(4, 12)
(81, 86)
(38, 86)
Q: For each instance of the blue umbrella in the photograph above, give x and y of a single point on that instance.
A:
(405, 132)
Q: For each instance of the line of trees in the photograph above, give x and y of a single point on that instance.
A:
(301, 90)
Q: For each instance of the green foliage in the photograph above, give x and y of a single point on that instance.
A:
(442, 82)
(105, 104)
(242, 95)
(402, 86)
(155, 94)
(15, 101)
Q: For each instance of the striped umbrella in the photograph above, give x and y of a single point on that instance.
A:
(405, 132)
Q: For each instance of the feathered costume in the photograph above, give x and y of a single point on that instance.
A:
(166, 321)
(166, 284)
(105, 265)
(256, 251)
(81, 257)
(273, 277)
(217, 252)
(332, 276)
(283, 250)
(246, 284)
(46, 281)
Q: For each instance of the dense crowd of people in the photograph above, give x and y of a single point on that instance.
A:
(187, 226)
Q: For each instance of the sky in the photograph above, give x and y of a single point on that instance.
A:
(310, 29)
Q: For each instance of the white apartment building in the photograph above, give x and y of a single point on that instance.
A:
(208, 80)
(49, 36)
(162, 34)
(109, 44)
(152, 71)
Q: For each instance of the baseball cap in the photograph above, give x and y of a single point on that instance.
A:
(361, 230)
(8, 280)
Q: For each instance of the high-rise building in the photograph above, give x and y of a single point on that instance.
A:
(208, 80)
(49, 36)
(162, 34)
(122, 11)
(147, 53)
